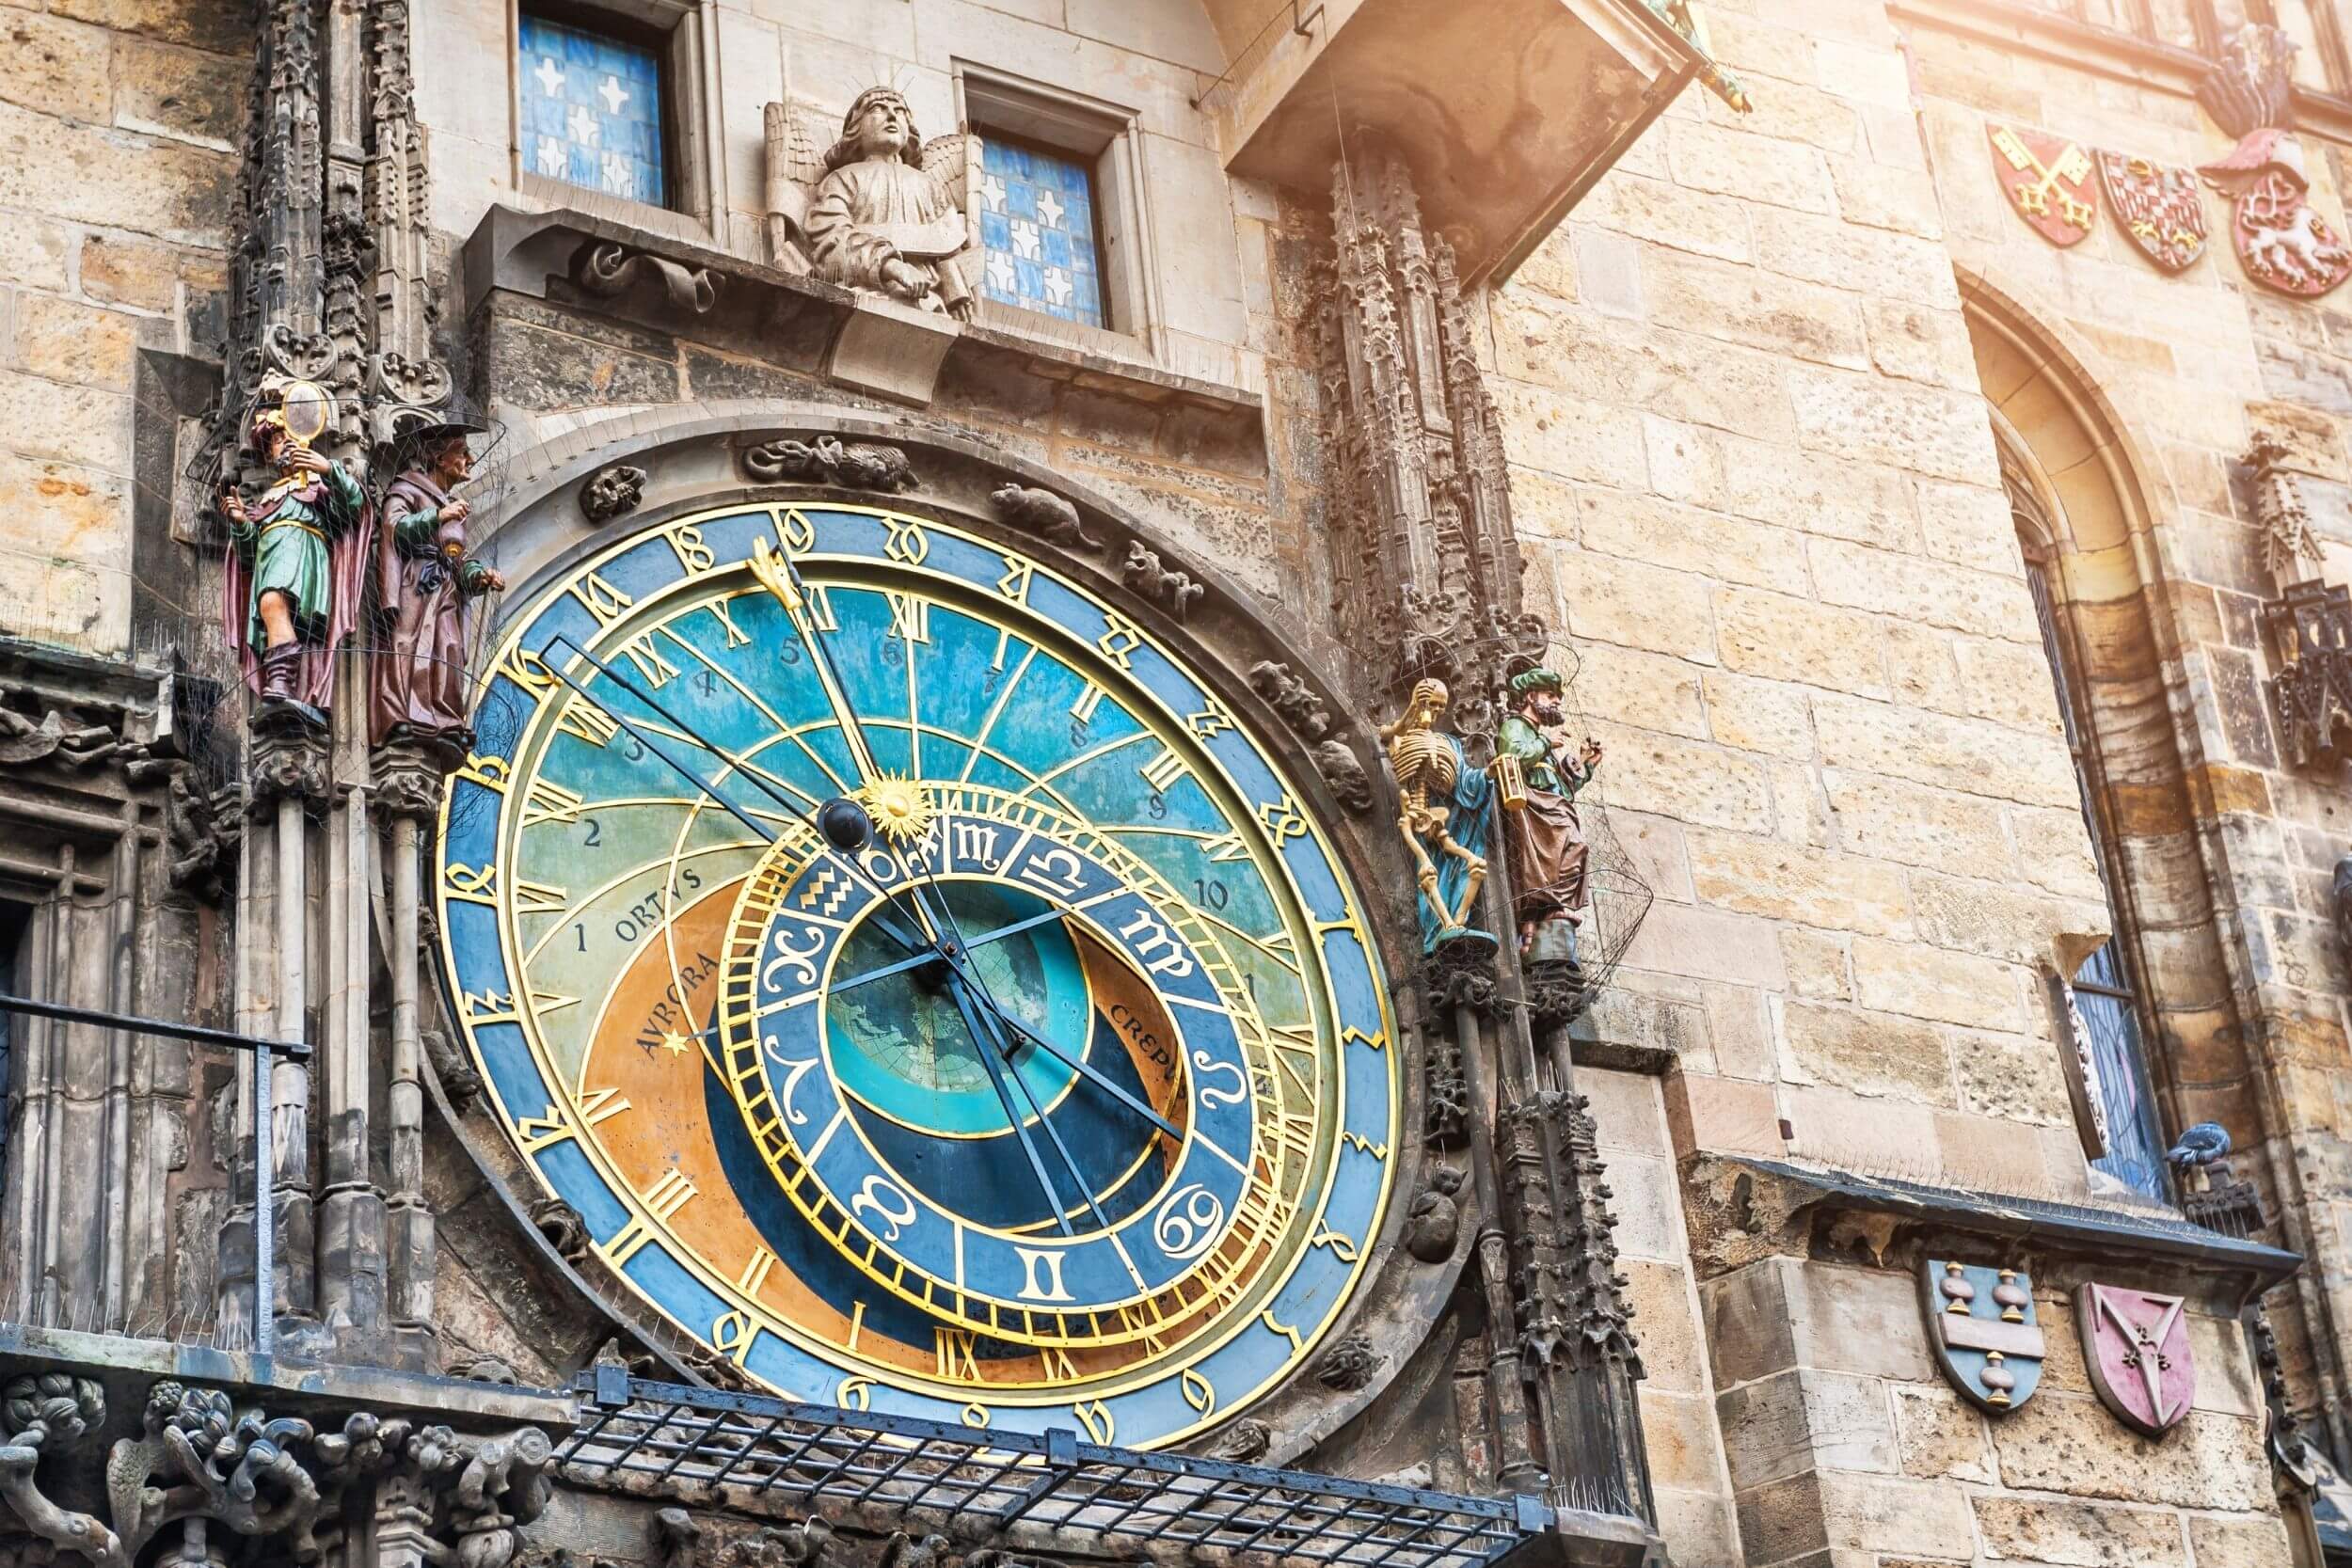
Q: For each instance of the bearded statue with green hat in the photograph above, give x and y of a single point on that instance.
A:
(1544, 839)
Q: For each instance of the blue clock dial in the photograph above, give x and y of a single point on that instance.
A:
(1068, 1097)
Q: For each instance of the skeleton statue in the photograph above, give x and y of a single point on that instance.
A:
(881, 211)
(1444, 818)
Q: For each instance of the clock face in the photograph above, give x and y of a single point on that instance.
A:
(1066, 1099)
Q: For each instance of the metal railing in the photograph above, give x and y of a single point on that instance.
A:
(264, 1054)
(647, 1433)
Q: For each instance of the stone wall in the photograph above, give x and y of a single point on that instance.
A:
(117, 123)
(1764, 502)
(2249, 974)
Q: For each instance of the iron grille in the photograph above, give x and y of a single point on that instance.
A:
(644, 1432)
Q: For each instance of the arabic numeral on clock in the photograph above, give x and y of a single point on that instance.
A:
(1186, 1225)
(1211, 894)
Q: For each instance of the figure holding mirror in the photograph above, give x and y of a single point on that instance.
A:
(296, 552)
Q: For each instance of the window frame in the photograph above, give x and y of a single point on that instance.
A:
(676, 32)
(1095, 214)
(1108, 139)
(2036, 517)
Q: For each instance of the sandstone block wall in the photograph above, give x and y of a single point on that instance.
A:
(118, 119)
(1764, 503)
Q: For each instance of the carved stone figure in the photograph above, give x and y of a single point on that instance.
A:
(1042, 512)
(425, 582)
(1443, 816)
(1173, 590)
(1290, 697)
(460, 1081)
(828, 460)
(2311, 626)
(888, 215)
(611, 492)
(561, 1223)
(800, 1545)
(1345, 772)
(1434, 1223)
(1242, 1441)
(906, 1551)
(677, 1535)
(1349, 1363)
(1544, 837)
(296, 555)
(2290, 549)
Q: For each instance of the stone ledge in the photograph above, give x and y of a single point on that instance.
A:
(132, 1364)
(1741, 1210)
(747, 304)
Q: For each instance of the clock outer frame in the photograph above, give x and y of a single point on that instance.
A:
(693, 459)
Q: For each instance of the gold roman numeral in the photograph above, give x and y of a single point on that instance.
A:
(650, 660)
(955, 1353)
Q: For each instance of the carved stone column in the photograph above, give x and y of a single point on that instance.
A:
(287, 780)
(407, 797)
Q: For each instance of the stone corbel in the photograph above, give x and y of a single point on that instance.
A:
(51, 1413)
(607, 268)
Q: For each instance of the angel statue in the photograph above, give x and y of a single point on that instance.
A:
(1444, 818)
(888, 215)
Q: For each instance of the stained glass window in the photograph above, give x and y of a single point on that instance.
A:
(1036, 227)
(592, 110)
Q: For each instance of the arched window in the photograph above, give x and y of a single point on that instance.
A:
(2104, 997)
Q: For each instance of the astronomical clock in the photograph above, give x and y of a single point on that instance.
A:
(931, 996)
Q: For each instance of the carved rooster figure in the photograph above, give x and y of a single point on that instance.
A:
(1443, 816)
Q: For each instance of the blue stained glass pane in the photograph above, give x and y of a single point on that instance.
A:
(1036, 232)
(592, 108)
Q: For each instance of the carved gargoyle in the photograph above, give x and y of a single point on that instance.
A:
(611, 492)
(1242, 1441)
(1042, 513)
(1173, 590)
(801, 1545)
(1434, 1223)
(879, 211)
(561, 1223)
(827, 460)
(1349, 1363)
(677, 1535)
(906, 1551)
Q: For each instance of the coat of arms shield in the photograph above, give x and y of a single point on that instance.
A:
(2135, 1344)
(1982, 1330)
(2158, 206)
(2048, 182)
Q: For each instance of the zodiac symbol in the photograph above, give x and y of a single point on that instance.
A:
(889, 1204)
(1205, 1064)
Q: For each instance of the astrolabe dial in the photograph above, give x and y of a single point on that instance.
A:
(928, 992)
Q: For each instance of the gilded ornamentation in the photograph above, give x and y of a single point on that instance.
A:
(2048, 181)
(2158, 207)
(1442, 815)
(881, 210)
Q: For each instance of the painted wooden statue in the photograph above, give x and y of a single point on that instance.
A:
(426, 584)
(1544, 837)
(1444, 818)
(296, 558)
